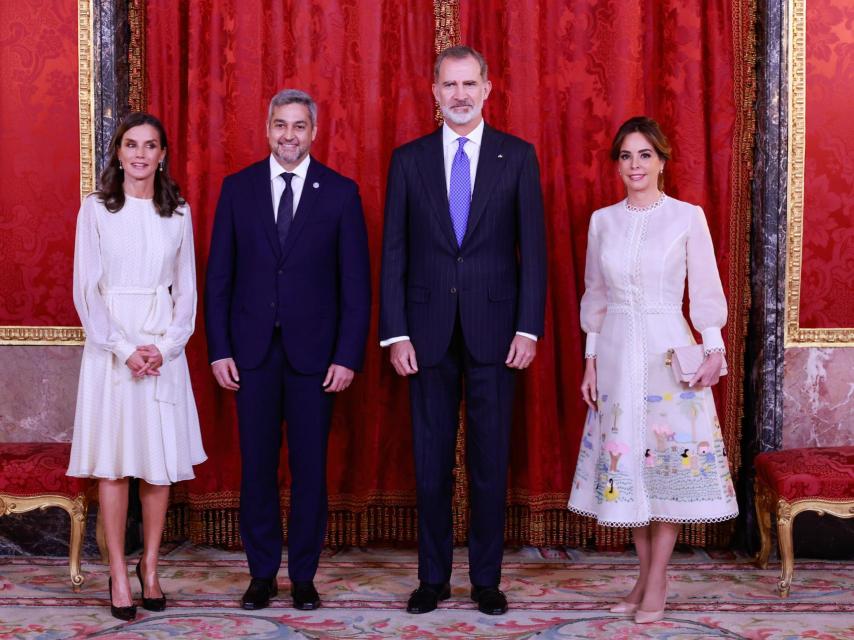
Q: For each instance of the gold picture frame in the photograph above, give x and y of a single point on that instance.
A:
(795, 335)
(23, 335)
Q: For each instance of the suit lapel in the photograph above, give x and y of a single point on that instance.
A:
(264, 204)
(489, 167)
(432, 169)
(307, 198)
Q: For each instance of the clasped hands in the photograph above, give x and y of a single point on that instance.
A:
(521, 354)
(145, 361)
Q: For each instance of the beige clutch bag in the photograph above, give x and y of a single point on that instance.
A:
(684, 361)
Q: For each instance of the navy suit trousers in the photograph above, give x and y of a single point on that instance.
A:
(435, 394)
(269, 394)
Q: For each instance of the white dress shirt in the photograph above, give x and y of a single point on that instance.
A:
(277, 184)
(449, 150)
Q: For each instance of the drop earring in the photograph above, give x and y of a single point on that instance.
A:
(161, 166)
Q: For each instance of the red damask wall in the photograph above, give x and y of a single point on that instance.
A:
(39, 160)
(827, 279)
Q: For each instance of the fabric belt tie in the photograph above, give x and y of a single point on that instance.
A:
(156, 323)
(663, 308)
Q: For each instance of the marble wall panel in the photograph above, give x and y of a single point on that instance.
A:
(38, 391)
(818, 397)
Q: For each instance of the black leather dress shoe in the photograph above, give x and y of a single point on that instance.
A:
(258, 594)
(490, 600)
(305, 596)
(426, 597)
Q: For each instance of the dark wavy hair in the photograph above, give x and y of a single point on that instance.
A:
(167, 194)
(650, 130)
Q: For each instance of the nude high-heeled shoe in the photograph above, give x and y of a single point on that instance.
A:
(645, 617)
(624, 607)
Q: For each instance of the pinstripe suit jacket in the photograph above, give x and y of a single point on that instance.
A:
(496, 279)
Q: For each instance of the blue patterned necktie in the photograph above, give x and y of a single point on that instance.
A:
(285, 213)
(459, 192)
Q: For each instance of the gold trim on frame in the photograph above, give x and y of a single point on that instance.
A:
(32, 336)
(795, 335)
(57, 336)
(86, 96)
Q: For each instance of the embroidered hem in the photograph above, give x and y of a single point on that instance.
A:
(644, 523)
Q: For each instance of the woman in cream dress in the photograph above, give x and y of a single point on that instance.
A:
(651, 456)
(135, 293)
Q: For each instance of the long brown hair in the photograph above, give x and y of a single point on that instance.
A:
(167, 194)
(650, 130)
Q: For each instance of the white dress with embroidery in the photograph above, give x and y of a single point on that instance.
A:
(134, 284)
(653, 449)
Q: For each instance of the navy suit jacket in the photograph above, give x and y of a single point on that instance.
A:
(496, 280)
(317, 287)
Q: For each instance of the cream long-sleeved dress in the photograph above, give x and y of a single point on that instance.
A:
(653, 449)
(134, 284)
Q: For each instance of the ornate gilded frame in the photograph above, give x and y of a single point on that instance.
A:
(22, 335)
(795, 335)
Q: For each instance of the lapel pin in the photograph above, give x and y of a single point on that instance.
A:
(500, 155)
(316, 185)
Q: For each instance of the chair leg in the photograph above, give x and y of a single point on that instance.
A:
(79, 508)
(764, 506)
(784, 537)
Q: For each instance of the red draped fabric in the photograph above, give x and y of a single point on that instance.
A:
(565, 75)
(212, 68)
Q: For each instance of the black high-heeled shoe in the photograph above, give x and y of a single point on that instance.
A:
(149, 604)
(122, 613)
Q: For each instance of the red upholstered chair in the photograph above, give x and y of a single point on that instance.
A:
(32, 476)
(795, 480)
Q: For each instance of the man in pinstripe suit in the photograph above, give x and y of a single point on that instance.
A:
(463, 298)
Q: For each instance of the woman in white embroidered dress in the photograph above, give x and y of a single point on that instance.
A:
(651, 455)
(135, 293)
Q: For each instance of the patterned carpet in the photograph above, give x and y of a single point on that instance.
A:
(552, 593)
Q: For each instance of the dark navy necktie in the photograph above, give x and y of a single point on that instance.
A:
(459, 191)
(285, 213)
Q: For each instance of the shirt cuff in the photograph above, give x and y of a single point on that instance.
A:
(123, 351)
(531, 336)
(590, 346)
(391, 341)
(713, 340)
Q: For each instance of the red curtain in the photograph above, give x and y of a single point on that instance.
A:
(212, 68)
(565, 75)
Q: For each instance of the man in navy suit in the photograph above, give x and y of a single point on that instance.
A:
(287, 307)
(463, 299)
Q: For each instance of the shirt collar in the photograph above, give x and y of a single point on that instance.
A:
(300, 170)
(449, 136)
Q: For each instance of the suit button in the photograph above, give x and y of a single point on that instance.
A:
(281, 271)
(459, 258)
(277, 324)
(272, 305)
(453, 289)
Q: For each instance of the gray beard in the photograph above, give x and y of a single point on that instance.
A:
(459, 118)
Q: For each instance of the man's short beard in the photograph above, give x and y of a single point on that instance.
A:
(459, 118)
